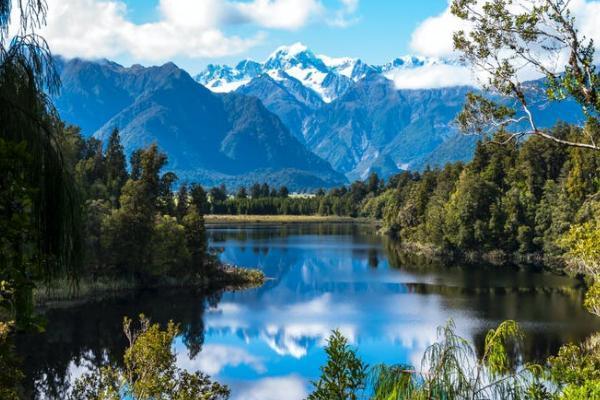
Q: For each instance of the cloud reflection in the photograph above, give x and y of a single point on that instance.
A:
(214, 358)
(292, 387)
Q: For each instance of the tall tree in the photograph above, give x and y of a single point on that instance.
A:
(255, 191)
(116, 168)
(27, 117)
(199, 199)
(344, 375)
(183, 201)
(503, 40)
(241, 193)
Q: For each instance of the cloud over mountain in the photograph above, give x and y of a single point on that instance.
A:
(183, 28)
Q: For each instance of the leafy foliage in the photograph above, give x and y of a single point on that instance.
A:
(504, 39)
(344, 375)
(451, 370)
(149, 371)
(134, 225)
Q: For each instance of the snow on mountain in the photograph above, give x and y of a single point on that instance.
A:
(328, 77)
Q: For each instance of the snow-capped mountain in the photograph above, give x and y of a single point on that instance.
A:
(328, 77)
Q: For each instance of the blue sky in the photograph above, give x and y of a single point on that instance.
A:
(193, 33)
(382, 31)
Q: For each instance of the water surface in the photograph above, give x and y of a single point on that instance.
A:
(267, 343)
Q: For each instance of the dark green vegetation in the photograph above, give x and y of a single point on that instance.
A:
(260, 199)
(149, 371)
(511, 200)
(344, 374)
(134, 227)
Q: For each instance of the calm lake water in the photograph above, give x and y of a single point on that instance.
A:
(267, 343)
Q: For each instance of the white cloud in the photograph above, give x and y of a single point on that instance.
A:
(94, 29)
(345, 15)
(281, 14)
(432, 76)
(290, 387)
(433, 37)
(185, 28)
(214, 358)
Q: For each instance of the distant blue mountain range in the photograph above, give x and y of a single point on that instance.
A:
(209, 138)
(297, 119)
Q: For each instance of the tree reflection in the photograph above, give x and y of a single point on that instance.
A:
(91, 335)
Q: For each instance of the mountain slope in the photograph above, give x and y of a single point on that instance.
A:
(286, 97)
(210, 138)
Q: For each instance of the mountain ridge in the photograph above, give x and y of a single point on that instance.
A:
(208, 137)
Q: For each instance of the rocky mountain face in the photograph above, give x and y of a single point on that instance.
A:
(298, 119)
(209, 138)
(353, 115)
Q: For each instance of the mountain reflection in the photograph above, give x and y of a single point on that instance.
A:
(267, 342)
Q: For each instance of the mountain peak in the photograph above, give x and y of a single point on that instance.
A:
(328, 77)
(290, 50)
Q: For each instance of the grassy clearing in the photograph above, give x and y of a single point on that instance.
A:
(226, 219)
(63, 293)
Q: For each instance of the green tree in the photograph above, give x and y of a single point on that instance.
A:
(218, 194)
(135, 161)
(199, 199)
(149, 371)
(170, 255)
(116, 168)
(241, 193)
(195, 235)
(283, 192)
(502, 41)
(255, 191)
(344, 375)
(264, 190)
(183, 202)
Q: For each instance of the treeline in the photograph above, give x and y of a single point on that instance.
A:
(531, 201)
(133, 225)
(521, 199)
(261, 199)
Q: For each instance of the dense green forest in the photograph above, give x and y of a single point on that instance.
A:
(132, 226)
(260, 199)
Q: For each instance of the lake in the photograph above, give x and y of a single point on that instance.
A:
(267, 343)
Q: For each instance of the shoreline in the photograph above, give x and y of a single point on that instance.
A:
(496, 258)
(216, 219)
(64, 293)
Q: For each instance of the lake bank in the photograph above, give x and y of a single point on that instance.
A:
(64, 293)
(496, 258)
(283, 219)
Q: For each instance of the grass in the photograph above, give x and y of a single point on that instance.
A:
(225, 219)
(62, 292)
(233, 277)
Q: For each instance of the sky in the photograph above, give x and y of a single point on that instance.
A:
(225, 31)
(194, 33)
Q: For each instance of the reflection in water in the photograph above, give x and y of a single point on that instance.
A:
(266, 343)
